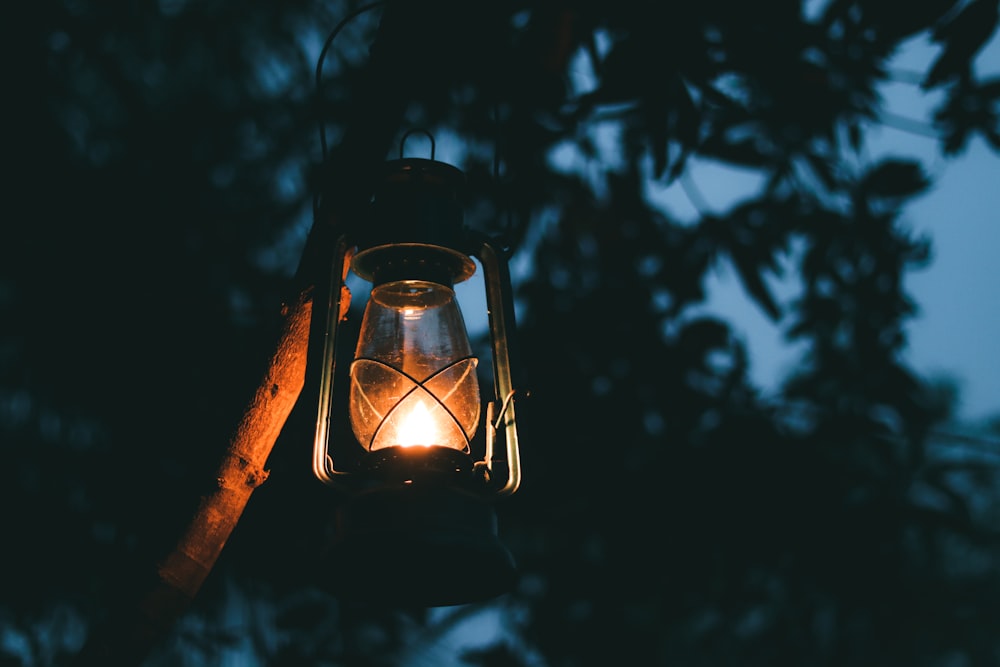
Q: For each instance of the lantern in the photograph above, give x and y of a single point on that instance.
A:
(418, 526)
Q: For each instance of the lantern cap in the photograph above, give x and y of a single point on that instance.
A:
(412, 261)
(424, 171)
(416, 201)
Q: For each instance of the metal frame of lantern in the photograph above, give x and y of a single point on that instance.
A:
(419, 527)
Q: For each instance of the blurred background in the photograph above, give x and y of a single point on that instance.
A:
(752, 251)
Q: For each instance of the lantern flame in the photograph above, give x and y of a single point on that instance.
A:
(418, 428)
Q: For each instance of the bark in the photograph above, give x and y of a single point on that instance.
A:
(128, 635)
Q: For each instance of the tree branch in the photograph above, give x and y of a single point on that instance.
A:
(128, 635)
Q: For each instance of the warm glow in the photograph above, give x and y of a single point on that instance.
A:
(413, 380)
(418, 428)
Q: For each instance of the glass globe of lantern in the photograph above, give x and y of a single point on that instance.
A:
(413, 380)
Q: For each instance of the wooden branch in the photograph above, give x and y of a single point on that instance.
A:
(242, 469)
(127, 637)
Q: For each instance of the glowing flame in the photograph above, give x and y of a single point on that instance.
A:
(418, 429)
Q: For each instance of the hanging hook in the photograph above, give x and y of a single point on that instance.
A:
(322, 58)
(402, 142)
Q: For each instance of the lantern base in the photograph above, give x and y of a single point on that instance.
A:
(411, 546)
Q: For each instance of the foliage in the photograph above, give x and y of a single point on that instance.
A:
(166, 157)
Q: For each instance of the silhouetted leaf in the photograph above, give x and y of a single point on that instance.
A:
(700, 335)
(744, 152)
(894, 179)
(961, 36)
(753, 282)
(968, 107)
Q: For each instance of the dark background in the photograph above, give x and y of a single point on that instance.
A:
(164, 159)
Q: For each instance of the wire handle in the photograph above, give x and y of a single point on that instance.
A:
(322, 58)
(402, 142)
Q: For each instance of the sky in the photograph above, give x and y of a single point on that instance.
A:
(956, 333)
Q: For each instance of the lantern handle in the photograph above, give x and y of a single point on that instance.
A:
(322, 58)
(500, 309)
(338, 298)
(402, 142)
(503, 408)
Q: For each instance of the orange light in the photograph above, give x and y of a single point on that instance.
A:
(413, 381)
(418, 428)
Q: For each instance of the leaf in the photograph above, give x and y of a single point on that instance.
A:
(962, 37)
(701, 335)
(743, 152)
(968, 106)
(753, 283)
(617, 74)
(899, 19)
(895, 179)
(854, 136)
(823, 168)
(670, 115)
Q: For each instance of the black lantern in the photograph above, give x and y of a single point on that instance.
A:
(419, 527)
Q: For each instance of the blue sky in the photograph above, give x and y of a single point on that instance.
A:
(957, 332)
